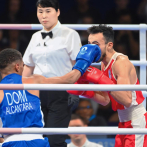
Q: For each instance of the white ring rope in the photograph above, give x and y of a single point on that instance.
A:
(74, 130)
(81, 87)
(73, 26)
(134, 62)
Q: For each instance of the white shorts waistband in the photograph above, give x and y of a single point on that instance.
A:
(131, 113)
(21, 137)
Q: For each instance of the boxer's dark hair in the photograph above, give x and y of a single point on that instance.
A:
(48, 3)
(8, 56)
(106, 30)
(75, 116)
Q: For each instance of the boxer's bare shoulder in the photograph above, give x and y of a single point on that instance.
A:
(122, 57)
(123, 69)
(122, 63)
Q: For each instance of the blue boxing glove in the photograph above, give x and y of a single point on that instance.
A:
(88, 53)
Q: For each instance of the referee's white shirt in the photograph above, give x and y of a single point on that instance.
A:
(54, 59)
(86, 144)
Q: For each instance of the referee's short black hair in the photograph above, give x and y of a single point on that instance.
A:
(8, 56)
(107, 31)
(48, 3)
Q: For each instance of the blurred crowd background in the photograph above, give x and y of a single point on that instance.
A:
(79, 12)
(76, 12)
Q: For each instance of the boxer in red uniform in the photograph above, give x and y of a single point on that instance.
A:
(116, 69)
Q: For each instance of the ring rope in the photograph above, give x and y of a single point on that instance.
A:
(134, 62)
(100, 87)
(94, 87)
(74, 130)
(83, 87)
(73, 26)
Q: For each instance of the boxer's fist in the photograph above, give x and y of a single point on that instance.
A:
(96, 76)
(88, 53)
(87, 94)
(76, 92)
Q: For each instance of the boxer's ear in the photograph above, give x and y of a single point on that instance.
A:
(110, 45)
(17, 67)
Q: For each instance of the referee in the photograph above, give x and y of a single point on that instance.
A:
(52, 52)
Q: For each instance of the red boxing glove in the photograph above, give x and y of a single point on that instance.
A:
(74, 92)
(87, 94)
(96, 76)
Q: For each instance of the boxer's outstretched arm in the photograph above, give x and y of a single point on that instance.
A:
(88, 53)
(69, 78)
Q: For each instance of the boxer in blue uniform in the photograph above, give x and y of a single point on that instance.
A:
(21, 108)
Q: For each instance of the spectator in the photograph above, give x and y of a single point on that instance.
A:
(79, 139)
(109, 115)
(12, 13)
(142, 11)
(130, 39)
(82, 8)
(121, 48)
(85, 110)
(2, 41)
(15, 40)
(87, 19)
(113, 14)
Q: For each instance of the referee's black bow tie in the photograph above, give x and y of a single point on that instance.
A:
(50, 34)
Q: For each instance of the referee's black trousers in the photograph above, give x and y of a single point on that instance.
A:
(56, 107)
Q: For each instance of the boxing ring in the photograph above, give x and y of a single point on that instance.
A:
(83, 130)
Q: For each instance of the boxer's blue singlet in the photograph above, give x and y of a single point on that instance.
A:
(19, 108)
